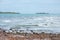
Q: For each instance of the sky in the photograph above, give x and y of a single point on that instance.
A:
(30, 6)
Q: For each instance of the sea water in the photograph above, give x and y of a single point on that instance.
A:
(44, 21)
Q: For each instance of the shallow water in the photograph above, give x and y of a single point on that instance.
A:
(44, 21)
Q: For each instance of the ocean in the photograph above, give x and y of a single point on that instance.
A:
(44, 22)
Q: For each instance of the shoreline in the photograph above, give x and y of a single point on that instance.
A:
(27, 36)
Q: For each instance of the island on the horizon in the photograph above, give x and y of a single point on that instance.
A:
(9, 13)
(41, 13)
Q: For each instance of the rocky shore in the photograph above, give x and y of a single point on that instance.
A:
(28, 36)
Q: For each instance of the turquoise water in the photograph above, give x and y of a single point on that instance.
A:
(29, 15)
(44, 21)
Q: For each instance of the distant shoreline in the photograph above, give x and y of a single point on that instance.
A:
(9, 13)
(41, 13)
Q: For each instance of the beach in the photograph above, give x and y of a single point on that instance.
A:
(27, 36)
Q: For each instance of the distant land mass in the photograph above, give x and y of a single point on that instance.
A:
(41, 13)
(9, 13)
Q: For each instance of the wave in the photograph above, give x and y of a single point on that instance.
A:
(6, 20)
(40, 21)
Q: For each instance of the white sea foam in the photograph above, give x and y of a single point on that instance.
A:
(7, 21)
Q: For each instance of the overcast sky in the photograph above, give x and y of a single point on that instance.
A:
(30, 6)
